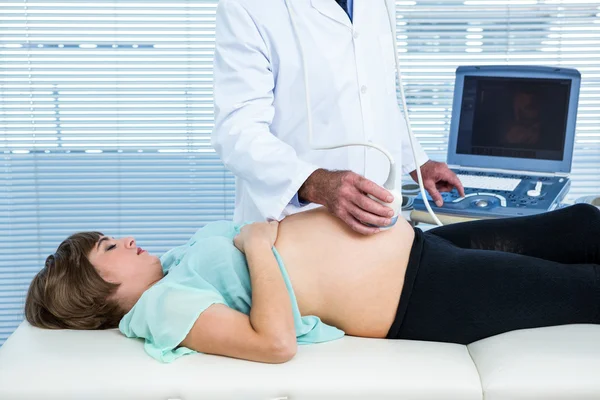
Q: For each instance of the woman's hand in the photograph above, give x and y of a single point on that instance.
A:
(257, 231)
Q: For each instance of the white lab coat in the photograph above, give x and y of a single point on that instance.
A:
(260, 125)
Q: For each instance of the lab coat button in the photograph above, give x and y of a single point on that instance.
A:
(355, 34)
(363, 89)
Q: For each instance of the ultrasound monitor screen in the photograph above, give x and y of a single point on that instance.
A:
(514, 117)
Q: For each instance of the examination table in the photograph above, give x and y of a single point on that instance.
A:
(560, 362)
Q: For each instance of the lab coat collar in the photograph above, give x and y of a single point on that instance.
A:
(332, 10)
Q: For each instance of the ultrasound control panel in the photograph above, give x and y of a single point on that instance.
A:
(532, 195)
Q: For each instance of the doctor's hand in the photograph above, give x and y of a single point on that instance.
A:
(344, 193)
(263, 233)
(437, 177)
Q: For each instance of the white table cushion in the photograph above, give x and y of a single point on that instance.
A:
(560, 362)
(37, 363)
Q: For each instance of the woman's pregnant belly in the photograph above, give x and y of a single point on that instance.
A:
(350, 281)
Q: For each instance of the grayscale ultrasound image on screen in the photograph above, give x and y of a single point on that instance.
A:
(514, 117)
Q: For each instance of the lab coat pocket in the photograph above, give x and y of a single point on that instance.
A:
(388, 62)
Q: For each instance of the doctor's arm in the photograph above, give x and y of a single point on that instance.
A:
(408, 159)
(437, 177)
(244, 111)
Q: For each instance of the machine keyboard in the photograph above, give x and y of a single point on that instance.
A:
(489, 182)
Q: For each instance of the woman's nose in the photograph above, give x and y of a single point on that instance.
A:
(130, 242)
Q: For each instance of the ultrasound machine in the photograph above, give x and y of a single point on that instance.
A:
(511, 140)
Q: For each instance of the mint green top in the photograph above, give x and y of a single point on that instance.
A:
(208, 269)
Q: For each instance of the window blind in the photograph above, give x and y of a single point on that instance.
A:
(106, 111)
(435, 37)
(105, 121)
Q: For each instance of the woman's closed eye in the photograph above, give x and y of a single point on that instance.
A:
(112, 246)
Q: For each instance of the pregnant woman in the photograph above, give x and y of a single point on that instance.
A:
(255, 291)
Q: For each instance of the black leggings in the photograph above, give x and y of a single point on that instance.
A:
(472, 280)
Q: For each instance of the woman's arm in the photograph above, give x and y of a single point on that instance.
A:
(268, 334)
(271, 312)
(223, 331)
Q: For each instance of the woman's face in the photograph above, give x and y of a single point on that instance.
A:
(122, 261)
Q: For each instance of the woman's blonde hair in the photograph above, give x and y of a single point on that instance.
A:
(68, 293)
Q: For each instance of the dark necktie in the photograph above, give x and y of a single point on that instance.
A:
(344, 5)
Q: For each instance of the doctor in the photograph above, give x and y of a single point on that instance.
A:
(261, 126)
